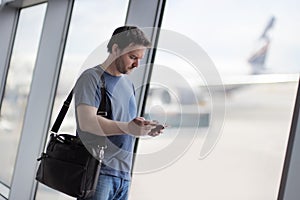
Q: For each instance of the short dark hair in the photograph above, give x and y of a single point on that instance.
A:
(126, 35)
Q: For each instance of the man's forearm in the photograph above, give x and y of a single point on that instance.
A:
(109, 127)
(89, 122)
(92, 123)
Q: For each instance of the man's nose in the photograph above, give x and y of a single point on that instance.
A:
(136, 63)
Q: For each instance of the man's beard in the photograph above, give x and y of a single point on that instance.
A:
(121, 66)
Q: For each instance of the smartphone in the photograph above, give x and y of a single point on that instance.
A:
(157, 128)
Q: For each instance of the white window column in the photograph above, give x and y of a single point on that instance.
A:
(8, 23)
(41, 97)
(290, 180)
(145, 14)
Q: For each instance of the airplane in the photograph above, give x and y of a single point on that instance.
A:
(260, 74)
(178, 104)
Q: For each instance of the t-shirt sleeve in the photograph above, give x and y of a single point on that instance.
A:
(85, 90)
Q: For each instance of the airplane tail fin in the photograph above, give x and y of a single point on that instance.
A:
(258, 59)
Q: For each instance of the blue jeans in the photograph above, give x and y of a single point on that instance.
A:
(111, 188)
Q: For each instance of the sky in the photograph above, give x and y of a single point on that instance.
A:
(228, 30)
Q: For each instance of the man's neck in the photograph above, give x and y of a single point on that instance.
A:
(110, 67)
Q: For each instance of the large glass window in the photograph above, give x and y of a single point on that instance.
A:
(253, 47)
(91, 25)
(17, 88)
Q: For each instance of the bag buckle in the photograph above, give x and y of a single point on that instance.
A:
(44, 155)
(101, 153)
(102, 113)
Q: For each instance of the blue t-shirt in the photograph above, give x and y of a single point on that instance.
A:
(118, 155)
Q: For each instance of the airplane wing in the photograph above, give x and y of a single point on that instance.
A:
(232, 83)
(259, 79)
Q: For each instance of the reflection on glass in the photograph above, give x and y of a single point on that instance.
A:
(18, 86)
(91, 25)
(255, 56)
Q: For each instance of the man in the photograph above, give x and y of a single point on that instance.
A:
(126, 48)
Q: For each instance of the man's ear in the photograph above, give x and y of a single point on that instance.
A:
(115, 49)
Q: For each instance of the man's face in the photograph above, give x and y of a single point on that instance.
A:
(129, 58)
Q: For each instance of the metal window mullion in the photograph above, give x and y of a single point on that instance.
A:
(145, 14)
(41, 97)
(290, 179)
(25, 3)
(8, 22)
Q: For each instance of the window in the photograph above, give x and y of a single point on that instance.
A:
(253, 47)
(91, 25)
(17, 87)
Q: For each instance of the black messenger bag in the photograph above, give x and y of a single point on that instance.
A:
(67, 165)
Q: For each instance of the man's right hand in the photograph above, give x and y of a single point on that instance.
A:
(140, 127)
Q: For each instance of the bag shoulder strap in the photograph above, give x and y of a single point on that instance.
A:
(65, 107)
(102, 107)
(62, 113)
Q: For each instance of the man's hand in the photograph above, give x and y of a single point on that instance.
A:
(139, 126)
